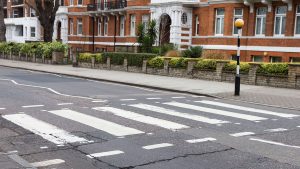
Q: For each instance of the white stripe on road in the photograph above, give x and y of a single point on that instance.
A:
(193, 141)
(276, 130)
(216, 111)
(178, 114)
(127, 99)
(274, 143)
(43, 129)
(156, 98)
(247, 109)
(99, 101)
(142, 118)
(32, 106)
(242, 134)
(47, 163)
(100, 124)
(156, 146)
(63, 104)
(179, 97)
(104, 154)
(2, 108)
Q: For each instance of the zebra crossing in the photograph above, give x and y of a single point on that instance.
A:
(187, 111)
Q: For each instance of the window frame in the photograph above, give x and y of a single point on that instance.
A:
(235, 16)
(122, 26)
(71, 30)
(297, 15)
(99, 27)
(79, 23)
(79, 4)
(31, 32)
(281, 19)
(222, 19)
(262, 17)
(105, 29)
(132, 25)
(197, 25)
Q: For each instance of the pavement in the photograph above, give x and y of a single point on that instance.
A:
(276, 97)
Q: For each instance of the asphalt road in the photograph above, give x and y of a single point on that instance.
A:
(53, 121)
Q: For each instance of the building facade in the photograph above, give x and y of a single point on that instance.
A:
(271, 32)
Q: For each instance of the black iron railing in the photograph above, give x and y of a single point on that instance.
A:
(17, 2)
(107, 5)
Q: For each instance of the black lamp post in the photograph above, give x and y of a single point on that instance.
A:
(239, 23)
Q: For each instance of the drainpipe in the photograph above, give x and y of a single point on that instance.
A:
(94, 18)
(115, 33)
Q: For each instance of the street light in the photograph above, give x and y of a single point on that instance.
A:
(239, 23)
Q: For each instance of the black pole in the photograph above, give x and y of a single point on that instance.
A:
(237, 77)
(94, 34)
(115, 34)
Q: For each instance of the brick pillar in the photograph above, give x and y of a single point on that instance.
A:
(270, 23)
(108, 63)
(294, 70)
(125, 64)
(33, 58)
(290, 22)
(19, 55)
(251, 24)
(93, 61)
(144, 67)
(252, 73)
(166, 66)
(228, 21)
(219, 70)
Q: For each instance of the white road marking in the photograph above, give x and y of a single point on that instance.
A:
(286, 115)
(43, 129)
(44, 147)
(193, 141)
(274, 143)
(242, 134)
(298, 126)
(276, 130)
(127, 99)
(179, 97)
(63, 104)
(156, 146)
(178, 114)
(97, 123)
(154, 98)
(2, 108)
(216, 111)
(142, 118)
(99, 101)
(104, 154)
(48, 163)
(32, 106)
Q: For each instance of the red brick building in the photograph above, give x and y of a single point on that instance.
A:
(271, 31)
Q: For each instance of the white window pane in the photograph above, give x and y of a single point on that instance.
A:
(281, 10)
(263, 25)
(283, 23)
(238, 11)
(220, 12)
(277, 25)
(218, 26)
(258, 26)
(298, 25)
(222, 26)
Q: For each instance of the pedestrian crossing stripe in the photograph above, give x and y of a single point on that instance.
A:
(286, 115)
(142, 118)
(97, 123)
(178, 114)
(43, 129)
(216, 111)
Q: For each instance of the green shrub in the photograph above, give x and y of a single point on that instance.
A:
(274, 69)
(98, 58)
(85, 57)
(193, 52)
(157, 62)
(133, 59)
(206, 64)
(231, 67)
(177, 63)
(26, 49)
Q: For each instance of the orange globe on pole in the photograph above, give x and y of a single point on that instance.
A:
(239, 23)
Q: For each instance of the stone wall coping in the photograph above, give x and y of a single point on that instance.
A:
(294, 64)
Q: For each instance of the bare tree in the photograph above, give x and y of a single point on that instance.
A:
(45, 11)
(2, 24)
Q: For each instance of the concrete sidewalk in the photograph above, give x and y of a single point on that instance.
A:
(288, 98)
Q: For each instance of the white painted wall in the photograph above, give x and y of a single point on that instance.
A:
(61, 16)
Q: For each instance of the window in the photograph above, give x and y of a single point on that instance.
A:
(219, 25)
(79, 2)
(132, 25)
(32, 32)
(105, 4)
(71, 2)
(238, 14)
(280, 20)
(71, 27)
(184, 18)
(15, 13)
(297, 31)
(19, 30)
(274, 59)
(32, 13)
(99, 27)
(295, 59)
(261, 14)
(122, 25)
(257, 59)
(145, 20)
(79, 26)
(197, 25)
(105, 26)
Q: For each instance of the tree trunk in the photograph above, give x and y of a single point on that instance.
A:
(2, 24)
(48, 32)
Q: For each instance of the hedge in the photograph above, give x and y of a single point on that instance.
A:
(273, 69)
(87, 57)
(231, 67)
(38, 49)
(133, 59)
(157, 62)
(206, 64)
